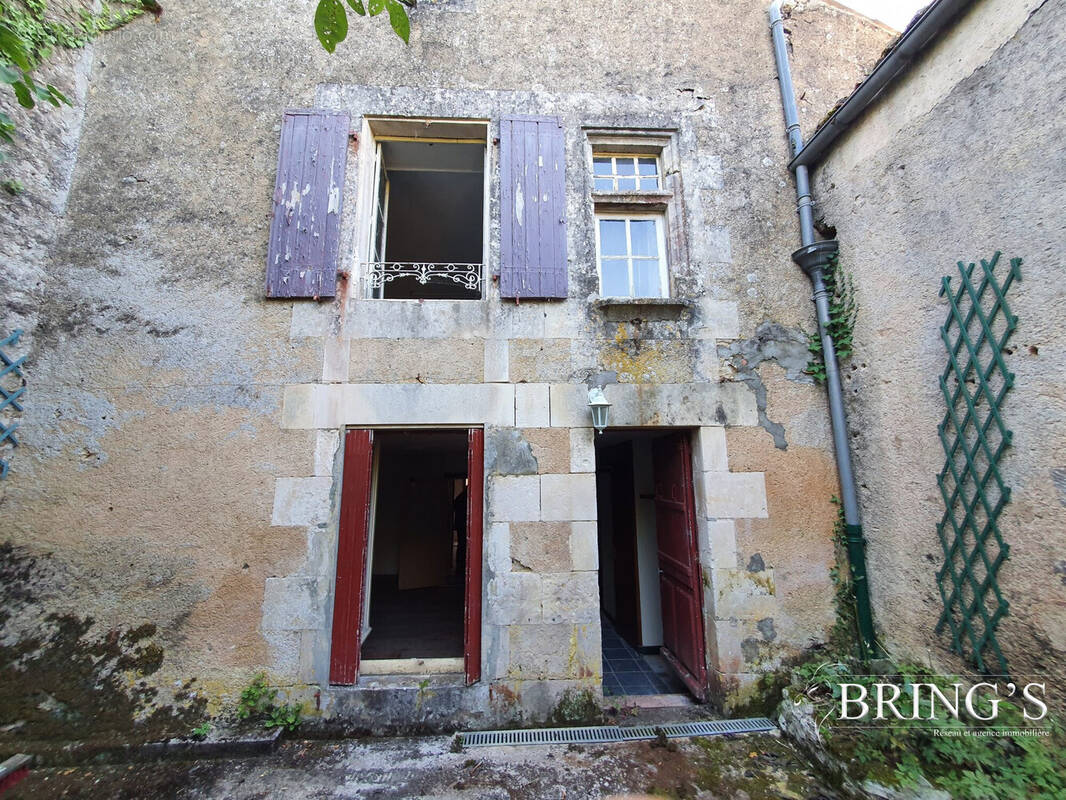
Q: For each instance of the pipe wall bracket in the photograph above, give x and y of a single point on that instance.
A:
(816, 256)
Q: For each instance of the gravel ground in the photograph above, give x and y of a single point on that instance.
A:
(735, 767)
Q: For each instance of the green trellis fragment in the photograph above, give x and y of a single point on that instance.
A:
(974, 437)
(11, 390)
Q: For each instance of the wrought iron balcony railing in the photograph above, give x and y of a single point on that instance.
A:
(379, 273)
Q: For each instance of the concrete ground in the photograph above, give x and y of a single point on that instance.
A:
(747, 767)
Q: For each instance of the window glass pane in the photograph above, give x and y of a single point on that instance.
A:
(625, 166)
(601, 165)
(627, 184)
(614, 277)
(604, 185)
(646, 279)
(645, 241)
(649, 166)
(649, 184)
(612, 237)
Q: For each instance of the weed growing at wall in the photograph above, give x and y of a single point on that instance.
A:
(842, 312)
(576, 708)
(258, 702)
(959, 754)
(844, 636)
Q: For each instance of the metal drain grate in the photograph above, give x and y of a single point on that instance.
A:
(605, 734)
(717, 727)
(638, 732)
(594, 735)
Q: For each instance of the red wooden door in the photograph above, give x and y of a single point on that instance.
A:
(351, 557)
(475, 493)
(679, 568)
(349, 594)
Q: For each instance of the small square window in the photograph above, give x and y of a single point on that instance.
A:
(631, 254)
(625, 173)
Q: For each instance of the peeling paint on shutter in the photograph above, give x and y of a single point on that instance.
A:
(305, 230)
(533, 261)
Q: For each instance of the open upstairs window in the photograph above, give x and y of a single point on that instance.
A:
(633, 188)
(425, 232)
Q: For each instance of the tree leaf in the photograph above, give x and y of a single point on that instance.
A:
(398, 19)
(375, 7)
(58, 97)
(357, 6)
(331, 24)
(49, 94)
(11, 46)
(8, 75)
(23, 93)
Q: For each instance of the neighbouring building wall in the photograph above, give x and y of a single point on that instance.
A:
(178, 479)
(959, 160)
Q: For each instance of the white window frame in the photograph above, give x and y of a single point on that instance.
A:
(660, 235)
(615, 176)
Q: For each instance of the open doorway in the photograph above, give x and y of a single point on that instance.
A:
(417, 547)
(409, 554)
(650, 588)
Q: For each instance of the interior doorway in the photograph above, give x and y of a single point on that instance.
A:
(650, 587)
(414, 606)
(409, 553)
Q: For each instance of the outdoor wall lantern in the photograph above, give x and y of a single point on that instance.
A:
(599, 405)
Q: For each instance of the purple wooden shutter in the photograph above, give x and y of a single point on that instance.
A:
(305, 231)
(532, 208)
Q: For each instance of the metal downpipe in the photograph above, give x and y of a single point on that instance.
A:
(813, 257)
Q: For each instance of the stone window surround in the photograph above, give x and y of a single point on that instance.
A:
(611, 113)
(661, 143)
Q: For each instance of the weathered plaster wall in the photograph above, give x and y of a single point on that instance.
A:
(959, 160)
(179, 461)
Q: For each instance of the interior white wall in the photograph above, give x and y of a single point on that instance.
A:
(651, 620)
(605, 527)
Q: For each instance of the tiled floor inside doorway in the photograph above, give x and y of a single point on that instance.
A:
(626, 671)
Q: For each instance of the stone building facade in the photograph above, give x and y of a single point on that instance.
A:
(187, 442)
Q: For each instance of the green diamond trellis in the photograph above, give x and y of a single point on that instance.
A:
(974, 436)
(11, 389)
